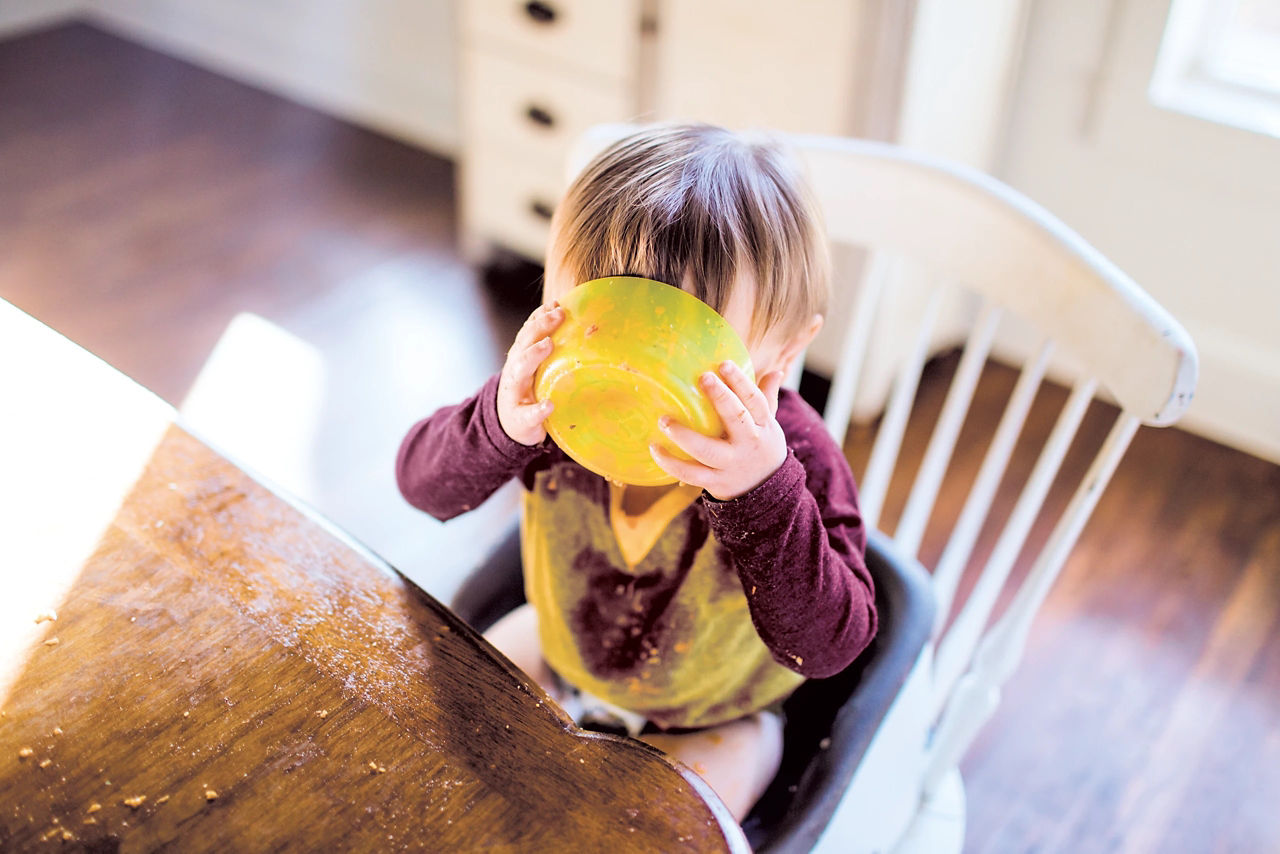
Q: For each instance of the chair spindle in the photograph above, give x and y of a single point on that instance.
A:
(950, 567)
(937, 457)
(880, 269)
(884, 454)
(1001, 650)
(957, 646)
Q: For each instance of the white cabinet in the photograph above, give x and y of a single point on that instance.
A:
(536, 74)
(786, 66)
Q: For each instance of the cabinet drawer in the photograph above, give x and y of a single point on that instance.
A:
(508, 200)
(533, 110)
(584, 35)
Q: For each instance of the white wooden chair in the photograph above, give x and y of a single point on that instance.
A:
(967, 232)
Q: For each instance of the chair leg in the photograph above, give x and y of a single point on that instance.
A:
(938, 827)
(883, 798)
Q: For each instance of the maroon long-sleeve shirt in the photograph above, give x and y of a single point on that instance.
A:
(796, 541)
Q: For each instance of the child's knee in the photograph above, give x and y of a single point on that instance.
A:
(757, 743)
(768, 739)
(737, 759)
(760, 737)
(515, 631)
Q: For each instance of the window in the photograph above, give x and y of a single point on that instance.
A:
(1220, 60)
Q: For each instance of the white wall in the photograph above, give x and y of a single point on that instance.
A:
(1190, 209)
(958, 63)
(387, 64)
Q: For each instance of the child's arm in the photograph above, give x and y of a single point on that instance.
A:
(454, 460)
(799, 547)
(789, 518)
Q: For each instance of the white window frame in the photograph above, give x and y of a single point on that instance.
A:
(1192, 77)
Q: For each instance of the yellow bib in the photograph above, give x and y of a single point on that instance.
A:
(644, 611)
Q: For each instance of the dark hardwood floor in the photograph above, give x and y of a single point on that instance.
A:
(144, 203)
(147, 202)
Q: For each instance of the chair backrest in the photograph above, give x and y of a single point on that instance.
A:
(967, 231)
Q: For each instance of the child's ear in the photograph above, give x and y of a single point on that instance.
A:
(795, 348)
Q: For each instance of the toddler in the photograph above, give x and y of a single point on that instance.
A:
(688, 612)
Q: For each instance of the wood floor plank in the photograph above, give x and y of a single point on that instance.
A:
(1202, 709)
(148, 202)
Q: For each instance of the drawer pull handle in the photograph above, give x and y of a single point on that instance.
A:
(541, 209)
(540, 12)
(540, 116)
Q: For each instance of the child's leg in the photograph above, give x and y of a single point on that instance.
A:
(516, 637)
(738, 759)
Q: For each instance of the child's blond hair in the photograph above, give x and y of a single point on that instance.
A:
(699, 207)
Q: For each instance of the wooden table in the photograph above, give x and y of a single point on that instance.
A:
(227, 672)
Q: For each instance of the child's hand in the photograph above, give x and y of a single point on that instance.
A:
(754, 445)
(520, 415)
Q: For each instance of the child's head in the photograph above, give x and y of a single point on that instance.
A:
(722, 215)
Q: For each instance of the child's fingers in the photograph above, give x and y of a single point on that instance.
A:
(706, 450)
(770, 387)
(532, 415)
(748, 392)
(551, 318)
(527, 422)
(538, 325)
(738, 423)
(523, 365)
(685, 471)
(523, 422)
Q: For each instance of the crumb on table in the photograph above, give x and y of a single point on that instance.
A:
(210, 795)
(26, 753)
(46, 616)
(51, 642)
(135, 802)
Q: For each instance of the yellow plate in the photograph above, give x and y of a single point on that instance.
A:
(629, 351)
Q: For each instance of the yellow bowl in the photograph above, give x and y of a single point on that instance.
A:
(629, 351)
